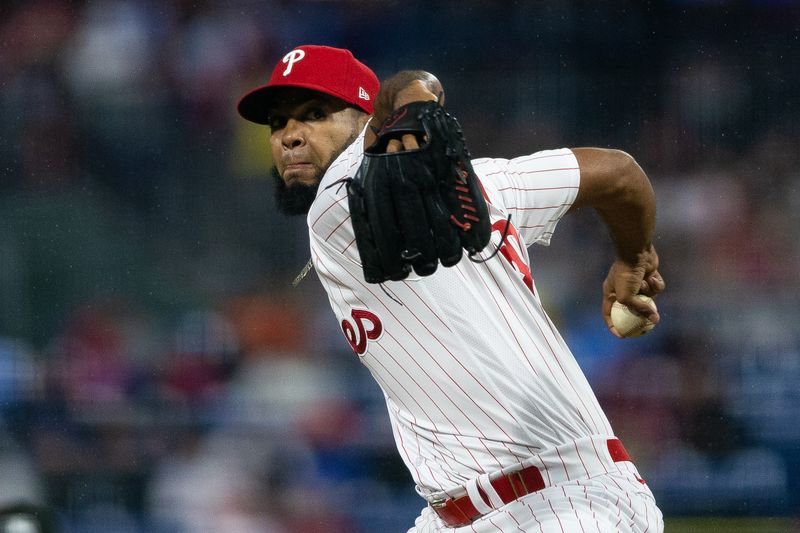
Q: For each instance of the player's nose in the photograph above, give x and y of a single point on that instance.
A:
(293, 134)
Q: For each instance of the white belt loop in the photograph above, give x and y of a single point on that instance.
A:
(494, 497)
(422, 493)
(475, 497)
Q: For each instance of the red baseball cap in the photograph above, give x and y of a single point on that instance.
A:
(332, 71)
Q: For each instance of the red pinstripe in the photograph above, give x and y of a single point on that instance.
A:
(522, 351)
(477, 463)
(604, 428)
(550, 503)
(419, 446)
(563, 464)
(402, 446)
(531, 226)
(508, 170)
(536, 171)
(399, 439)
(534, 157)
(400, 435)
(433, 359)
(522, 159)
(434, 314)
(337, 227)
(339, 281)
(597, 427)
(342, 313)
(582, 509)
(627, 495)
(599, 457)
(481, 385)
(574, 510)
(348, 245)
(510, 271)
(337, 202)
(594, 515)
(410, 411)
(519, 528)
(412, 379)
(533, 515)
(538, 189)
(502, 314)
(537, 208)
(619, 512)
(581, 458)
(496, 526)
(435, 383)
(445, 460)
(546, 471)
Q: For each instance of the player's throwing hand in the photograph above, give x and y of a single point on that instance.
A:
(625, 280)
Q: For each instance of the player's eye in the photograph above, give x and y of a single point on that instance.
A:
(315, 113)
(276, 122)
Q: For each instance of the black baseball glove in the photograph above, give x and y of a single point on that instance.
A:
(416, 208)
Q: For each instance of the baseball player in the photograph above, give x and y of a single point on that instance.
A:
(490, 412)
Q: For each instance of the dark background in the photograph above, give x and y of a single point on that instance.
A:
(159, 374)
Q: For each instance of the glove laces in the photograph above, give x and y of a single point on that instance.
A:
(466, 200)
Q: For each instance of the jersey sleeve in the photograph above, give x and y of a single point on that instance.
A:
(536, 190)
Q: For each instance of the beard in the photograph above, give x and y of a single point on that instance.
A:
(295, 199)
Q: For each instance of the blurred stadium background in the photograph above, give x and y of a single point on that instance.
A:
(157, 371)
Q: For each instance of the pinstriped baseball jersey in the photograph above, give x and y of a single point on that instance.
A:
(475, 375)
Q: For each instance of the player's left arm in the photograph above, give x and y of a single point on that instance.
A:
(614, 184)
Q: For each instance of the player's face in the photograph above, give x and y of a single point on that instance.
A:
(309, 130)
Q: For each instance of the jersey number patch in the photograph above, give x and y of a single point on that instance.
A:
(357, 335)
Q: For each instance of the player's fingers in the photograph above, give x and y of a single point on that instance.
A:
(656, 282)
(410, 142)
(652, 284)
(610, 325)
(644, 309)
(608, 301)
(627, 283)
(394, 146)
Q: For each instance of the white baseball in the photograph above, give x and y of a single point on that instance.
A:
(628, 323)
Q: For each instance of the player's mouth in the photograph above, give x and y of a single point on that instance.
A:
(302, 172)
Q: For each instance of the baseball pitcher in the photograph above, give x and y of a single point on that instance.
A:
(423, 252)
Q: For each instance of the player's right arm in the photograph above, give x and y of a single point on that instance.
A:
(614, 185)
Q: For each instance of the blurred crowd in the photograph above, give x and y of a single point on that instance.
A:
(159, 373)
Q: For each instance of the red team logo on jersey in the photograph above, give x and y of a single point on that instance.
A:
(511, 254)
(358, 340)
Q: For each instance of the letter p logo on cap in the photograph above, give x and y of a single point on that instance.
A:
(291, 58)
(328, 70)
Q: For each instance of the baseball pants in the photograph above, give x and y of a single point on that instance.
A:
(616, 500)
